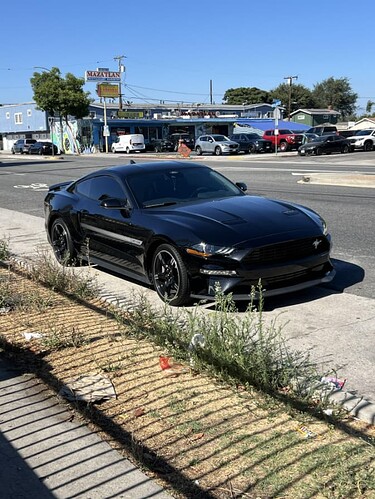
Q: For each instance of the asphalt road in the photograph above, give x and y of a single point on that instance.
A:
(349, 211)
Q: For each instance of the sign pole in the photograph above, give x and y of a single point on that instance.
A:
(105, 132)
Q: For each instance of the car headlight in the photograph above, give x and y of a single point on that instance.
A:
(206, 250)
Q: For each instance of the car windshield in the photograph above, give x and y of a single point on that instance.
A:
(179, 185)
(363, 132)
(219, 138)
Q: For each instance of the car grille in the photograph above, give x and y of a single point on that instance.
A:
(290, 250)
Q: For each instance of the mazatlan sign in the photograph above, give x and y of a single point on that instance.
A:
(102, 76)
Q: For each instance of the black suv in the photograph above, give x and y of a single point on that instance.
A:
(187, 139)
(252, 142)
(22, 146)
(323, 130)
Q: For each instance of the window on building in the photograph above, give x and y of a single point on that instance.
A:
(7, 115)
(29, 112)
(18, 118)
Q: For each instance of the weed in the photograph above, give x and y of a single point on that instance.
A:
(61, 278)
(4, 250)
(58, 338)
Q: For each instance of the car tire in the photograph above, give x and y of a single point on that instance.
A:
(198, 150)
(368, 146)
(13, 151)
(169, 276)
(40, 152)
(283, 146)
(127, 150)
(62, 243)
(157, 149)
(218, 151)
(251, 149)
(345, 149)
(318, 151)
(113, 150)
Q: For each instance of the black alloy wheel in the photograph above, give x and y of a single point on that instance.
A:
(251, 149)
(62, 243)
(318, 151)
(170, 276)
(218, 151)
(368, 146)
(345, 149)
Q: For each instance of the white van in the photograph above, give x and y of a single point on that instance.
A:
(129, 143)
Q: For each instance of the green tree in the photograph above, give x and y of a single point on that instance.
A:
(300, 96)
(369, 105)
(335, 93)
(246, 95)
(60, 96)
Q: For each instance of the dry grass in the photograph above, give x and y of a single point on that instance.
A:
(200, 437)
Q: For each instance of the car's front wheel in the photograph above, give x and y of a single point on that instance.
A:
(283, 146)
(169, 275)
(345, 149)
(218, 151)
(113, 149)
(62, 243)
(198, 150)
(368, 146)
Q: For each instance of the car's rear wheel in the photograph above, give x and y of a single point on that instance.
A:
(157, 149)
(318, 151)
(368, 146)
(169, 275)
(62, 243)
(40, 152)
(13, 151)
(113, 150)
(198, 150)
(127, 150)
(218, 151)
(345, 149)
(283, 146)
(251, 149)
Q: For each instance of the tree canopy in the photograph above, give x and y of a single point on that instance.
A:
(60, 96)
(335, 93)
(245, 95)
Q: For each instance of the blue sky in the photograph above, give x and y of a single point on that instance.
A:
(173, 49)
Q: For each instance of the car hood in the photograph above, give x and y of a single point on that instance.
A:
(234, 220)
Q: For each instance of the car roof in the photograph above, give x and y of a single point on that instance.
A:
(123, 170)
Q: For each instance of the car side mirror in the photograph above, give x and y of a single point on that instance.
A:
(114, 204)
(242, 186)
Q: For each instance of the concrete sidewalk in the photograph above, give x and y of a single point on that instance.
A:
(45, 453)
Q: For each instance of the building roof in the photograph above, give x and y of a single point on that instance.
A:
(315, 111)
(269, 124)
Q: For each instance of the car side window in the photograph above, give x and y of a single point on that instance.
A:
(105, 187)
(100, 188)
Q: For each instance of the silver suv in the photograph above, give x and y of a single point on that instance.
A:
(215, 144)
(22, 145)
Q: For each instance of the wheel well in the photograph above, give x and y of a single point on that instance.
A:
(152, 248)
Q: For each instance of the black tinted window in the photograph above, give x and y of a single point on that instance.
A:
(100, 188)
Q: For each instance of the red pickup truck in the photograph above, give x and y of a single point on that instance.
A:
(286, 140)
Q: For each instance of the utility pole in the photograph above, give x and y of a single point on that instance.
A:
(121, 69)
(290, 81)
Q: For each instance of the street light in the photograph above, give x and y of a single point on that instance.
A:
(290, 81)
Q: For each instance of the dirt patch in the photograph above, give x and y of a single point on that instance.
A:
(199, 437)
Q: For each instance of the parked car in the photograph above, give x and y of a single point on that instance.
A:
(133, 142)
(285, 139)
(215, 144)
(363, 139)
(251, 142)
(186, 139)
(22, 146)
(43, 148)
(323, 130)
(326, 144)
(185, 229)
(160, 145)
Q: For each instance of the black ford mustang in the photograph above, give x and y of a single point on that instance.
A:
(185, 229)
